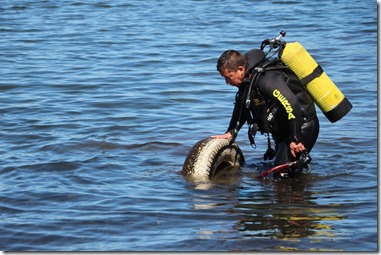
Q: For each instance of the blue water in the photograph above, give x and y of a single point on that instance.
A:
(101, 102)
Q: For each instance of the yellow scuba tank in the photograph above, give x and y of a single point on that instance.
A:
(324, 92)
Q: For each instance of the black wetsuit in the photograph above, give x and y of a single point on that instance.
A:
(279, 105)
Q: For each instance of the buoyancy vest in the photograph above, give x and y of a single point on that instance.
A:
(264, 114)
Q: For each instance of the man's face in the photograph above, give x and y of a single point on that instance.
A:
(234, 78)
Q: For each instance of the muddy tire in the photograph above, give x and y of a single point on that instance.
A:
(210, 157)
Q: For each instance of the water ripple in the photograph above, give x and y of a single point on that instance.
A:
(101, 102)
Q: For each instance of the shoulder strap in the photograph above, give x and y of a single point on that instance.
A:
(275, 64)
(257, 71)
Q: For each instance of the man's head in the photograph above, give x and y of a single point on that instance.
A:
(232, 66)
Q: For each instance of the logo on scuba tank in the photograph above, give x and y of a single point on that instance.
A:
(287, 106)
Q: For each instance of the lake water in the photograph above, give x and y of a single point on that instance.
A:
(101, 102)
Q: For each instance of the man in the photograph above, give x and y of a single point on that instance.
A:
(278, 104)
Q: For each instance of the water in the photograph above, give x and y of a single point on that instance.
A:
(102, 100)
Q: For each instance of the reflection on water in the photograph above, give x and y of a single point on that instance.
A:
(291, 214)
(287, 211)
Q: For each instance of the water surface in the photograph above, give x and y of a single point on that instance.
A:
(102, 100)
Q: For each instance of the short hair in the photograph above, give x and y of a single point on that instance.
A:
(231, 60)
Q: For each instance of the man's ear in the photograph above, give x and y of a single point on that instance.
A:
(242, 70)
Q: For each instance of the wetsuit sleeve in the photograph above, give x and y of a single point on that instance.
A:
(274, 87)
(236, 112)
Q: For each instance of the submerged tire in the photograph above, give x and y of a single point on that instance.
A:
(209, 157)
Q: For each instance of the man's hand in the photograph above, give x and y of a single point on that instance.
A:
(296, 148)
(227, 135)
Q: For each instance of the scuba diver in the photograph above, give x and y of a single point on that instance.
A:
(272, 101)
(277, 96)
